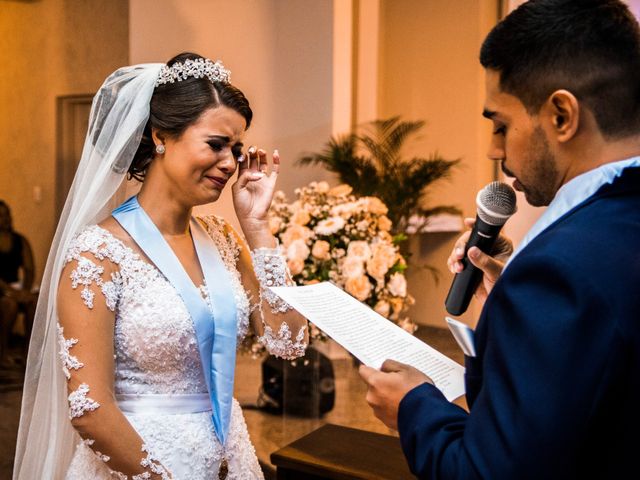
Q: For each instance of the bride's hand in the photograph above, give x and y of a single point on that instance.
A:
(253, 191)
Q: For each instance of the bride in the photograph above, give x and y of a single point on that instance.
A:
(131, 367)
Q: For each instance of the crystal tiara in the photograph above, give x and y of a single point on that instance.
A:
(198, 68)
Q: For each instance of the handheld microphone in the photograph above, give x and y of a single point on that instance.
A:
(496, 203)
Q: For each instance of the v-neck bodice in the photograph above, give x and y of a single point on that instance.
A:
(156, 350)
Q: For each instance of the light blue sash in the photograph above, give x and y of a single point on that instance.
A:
(216, 340)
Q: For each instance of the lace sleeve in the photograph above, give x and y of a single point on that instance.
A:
(85, 338)
(271, 270)
(88, 248)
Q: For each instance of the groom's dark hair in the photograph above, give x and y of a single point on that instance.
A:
(589, 47)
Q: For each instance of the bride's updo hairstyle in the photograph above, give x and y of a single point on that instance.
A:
(178, 104)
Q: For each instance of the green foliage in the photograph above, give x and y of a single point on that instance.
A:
(371, 162)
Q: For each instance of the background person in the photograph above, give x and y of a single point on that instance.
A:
(16, 282)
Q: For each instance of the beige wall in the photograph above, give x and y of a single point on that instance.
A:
(280, 56)
(429, 70)
(281, 53)
(48, 48)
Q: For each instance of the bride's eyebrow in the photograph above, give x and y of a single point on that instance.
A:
(225, 139)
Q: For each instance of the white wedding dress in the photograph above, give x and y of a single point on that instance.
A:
(156, 355)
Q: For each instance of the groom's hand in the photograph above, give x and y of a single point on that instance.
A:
(388, 386)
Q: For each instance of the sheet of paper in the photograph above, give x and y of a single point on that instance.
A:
(463, 335)
(369, 336)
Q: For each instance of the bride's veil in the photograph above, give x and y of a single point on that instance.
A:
(120, 110)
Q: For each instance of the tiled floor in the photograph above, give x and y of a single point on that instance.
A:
(268, 432)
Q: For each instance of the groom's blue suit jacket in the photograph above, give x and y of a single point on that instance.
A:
(554, 391)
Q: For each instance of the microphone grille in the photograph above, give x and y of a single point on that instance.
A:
(496, 203)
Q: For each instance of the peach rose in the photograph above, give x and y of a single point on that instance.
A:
(341, 190)
(384, 223)
(300, 217)
(397, 305)
(383, 308)
(359, 287)
(406, 324)
(298, 250)
(274, 224)
(293, 233)
(377, 268)
(373, 205)
(320, 250)
(295, 266)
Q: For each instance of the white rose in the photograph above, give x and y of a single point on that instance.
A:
(352, 267)
(295, 266)
(329, 226)
(359, 249)
(322, 187)
(397, 285)
(385, 252)
(344, 210)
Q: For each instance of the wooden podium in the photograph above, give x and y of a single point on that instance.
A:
(336, 452)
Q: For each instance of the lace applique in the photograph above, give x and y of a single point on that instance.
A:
(271, 270)
(87, 273)
(281, 345)
(68, 360)
(79, 403)
(89, 443)
(152, 463)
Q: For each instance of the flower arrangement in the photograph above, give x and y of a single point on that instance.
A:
(329, 234)
(370, 159)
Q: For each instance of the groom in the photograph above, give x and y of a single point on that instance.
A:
(553, 389)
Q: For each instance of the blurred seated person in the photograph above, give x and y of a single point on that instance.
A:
(15, 289)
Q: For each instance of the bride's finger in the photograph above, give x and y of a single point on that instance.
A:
(263, 162)
(247, 176)
(252, 160)
(276, 162)
(243, 162)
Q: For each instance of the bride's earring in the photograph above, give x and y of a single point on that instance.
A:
(160, 149)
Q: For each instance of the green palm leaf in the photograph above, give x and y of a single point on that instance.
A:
(371, 162)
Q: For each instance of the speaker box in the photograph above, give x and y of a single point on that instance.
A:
(303, 387)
